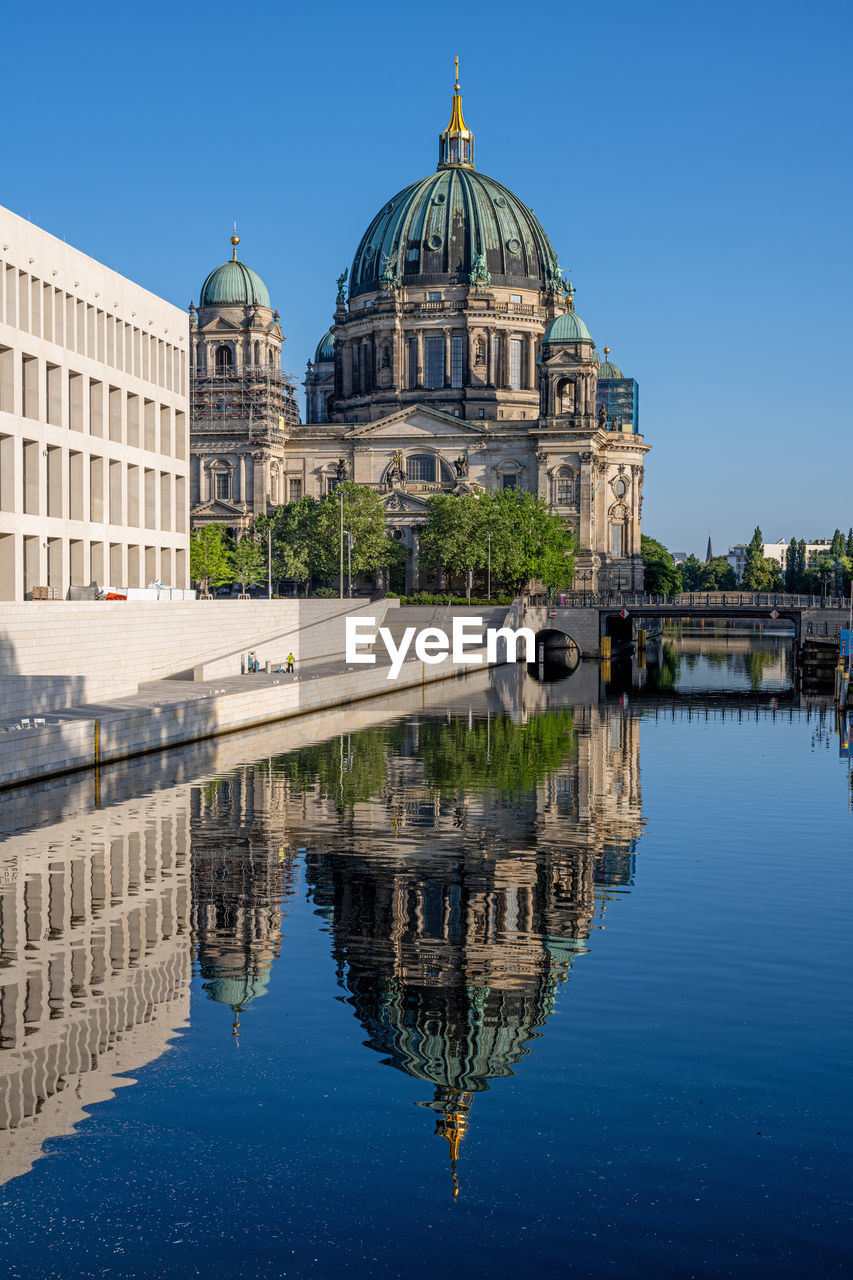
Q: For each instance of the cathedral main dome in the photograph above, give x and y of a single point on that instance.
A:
(431, 231)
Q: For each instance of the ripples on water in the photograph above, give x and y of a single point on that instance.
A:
(446, 983)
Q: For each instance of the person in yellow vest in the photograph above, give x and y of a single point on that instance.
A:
(290, 661)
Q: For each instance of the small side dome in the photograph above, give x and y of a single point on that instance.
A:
(325, 352)
(567, 328)
(233, 284)
(608, 369)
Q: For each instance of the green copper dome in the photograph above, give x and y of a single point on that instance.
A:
(325, 349)
(430, 232)
(234, 285)
(608, 370)
(567, 328)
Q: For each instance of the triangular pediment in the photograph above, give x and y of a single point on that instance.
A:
(218, 508)
(221, 324)
(418, 421)
(398, 502)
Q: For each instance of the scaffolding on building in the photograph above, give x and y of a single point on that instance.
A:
(257, 402)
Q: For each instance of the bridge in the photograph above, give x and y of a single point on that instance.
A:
(578, 623)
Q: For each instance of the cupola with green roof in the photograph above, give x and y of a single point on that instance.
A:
(233, 284)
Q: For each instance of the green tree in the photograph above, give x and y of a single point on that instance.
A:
(838, 546)
(692, 570)
(294, 536)
(717, 575)
(529, 543)
(661, 576)
(454, 538)
(211, 557)
(760, 572)
(364, 518)
(849, 548)
(249, 559)
(793, 572)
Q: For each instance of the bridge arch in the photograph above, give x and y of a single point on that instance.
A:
(556, 646)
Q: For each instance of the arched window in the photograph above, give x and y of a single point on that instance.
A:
(421, 467)
(224, 359)
(565, 488)
(257, 355)
(566, 397)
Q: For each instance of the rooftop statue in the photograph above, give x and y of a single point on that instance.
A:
(480, 273)
(389, 279)
(341, 281)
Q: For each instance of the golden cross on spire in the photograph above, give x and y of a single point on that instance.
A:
(456, 86)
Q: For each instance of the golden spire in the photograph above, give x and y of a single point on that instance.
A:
(457, 123)
(235, 240)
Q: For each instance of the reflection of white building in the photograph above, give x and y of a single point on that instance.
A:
(96, 963)
(94, 439)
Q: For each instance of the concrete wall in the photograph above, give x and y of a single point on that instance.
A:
(54, 655)
(119, 732)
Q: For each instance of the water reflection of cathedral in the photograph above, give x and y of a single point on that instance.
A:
(242, 874)
(462, 863)
(452, 943)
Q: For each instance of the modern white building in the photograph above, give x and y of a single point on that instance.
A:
(777, 551)
(94, 423)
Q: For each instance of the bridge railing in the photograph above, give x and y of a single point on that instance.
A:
(751, 600)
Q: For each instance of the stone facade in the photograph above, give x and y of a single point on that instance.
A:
(456, 363)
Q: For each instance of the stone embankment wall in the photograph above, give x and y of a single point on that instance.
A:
(123, 731)
(58, 654)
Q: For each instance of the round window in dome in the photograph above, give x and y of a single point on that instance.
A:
(514, 245)
(369, 252)
(440, 198)
(499, 200)
(435, 242)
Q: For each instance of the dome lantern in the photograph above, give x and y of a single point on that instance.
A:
(456, 143)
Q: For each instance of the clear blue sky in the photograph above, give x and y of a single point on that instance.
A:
(690, 163)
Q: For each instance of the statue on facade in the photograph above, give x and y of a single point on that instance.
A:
(602, 419)
(555, 283)
(461, 465)
(395, 471)
(389, 280)
(341, 281)
(341, 470)
(480, 274)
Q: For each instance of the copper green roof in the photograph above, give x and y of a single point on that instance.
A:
(234, 284)
(567, 328)
(431, 231)
(325, 348)
(608, 370)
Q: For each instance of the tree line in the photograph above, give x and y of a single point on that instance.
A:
(829, 570)
(513, 534)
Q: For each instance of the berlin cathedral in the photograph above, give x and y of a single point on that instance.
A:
(455, 362)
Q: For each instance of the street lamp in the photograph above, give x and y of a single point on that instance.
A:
(489, 588)
(269, 563)
(349, 560)
(341, 580)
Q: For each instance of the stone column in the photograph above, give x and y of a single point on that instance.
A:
(531, 362)
(446, 355)
(419, 379)
(491, 380)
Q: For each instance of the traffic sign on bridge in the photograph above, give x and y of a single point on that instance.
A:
(623, 613)
(774, 613)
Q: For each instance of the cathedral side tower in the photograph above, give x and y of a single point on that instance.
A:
(242, 405)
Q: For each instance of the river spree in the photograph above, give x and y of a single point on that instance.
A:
(500, 975)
